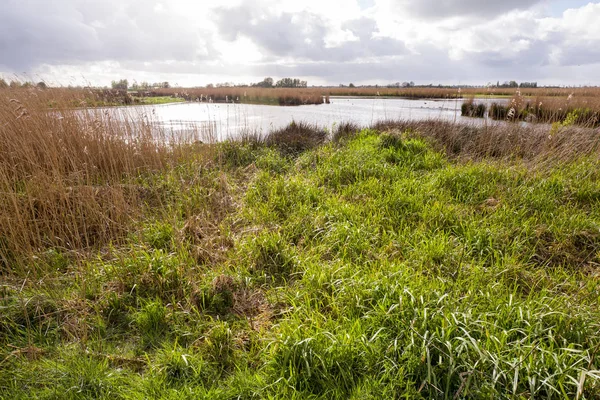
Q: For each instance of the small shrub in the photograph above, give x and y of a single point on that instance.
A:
(344, 131)
(296, 138)
(498, 111)
(470, 109)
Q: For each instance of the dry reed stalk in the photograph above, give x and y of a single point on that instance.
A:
(532, 143)
(280, 96)
(62, 172)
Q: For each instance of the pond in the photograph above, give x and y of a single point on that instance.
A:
(219, 121)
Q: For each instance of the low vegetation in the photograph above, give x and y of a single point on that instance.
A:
(568, 110)
(561, 112)
(249, 95)
(472, 109)
(407, 260)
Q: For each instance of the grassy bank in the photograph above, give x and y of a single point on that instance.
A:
(410, 260)
(153, 100)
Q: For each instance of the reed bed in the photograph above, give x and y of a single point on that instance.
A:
(248, 95)
(63, 171)
(582, 111)
(443, 92)
(536, 145)
(570, 110)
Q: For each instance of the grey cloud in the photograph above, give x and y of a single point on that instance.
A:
(582, 53)
(302, 35)
(80, 33)
(71, 32)
(431, 65)
(451, 8)
(536, 55)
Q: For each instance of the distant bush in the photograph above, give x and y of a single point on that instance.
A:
(344, 131)
(296, 138)
(470, 109)
(498, 111)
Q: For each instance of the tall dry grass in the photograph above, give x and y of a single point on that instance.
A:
(539, 145)
(441, 92)
(573, 110)
(63, 172)
(274, 96)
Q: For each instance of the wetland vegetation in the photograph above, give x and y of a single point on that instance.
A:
(407, 259)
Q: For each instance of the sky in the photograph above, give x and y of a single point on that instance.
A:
(326, 42)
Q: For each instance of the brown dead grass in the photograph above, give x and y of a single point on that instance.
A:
(62, 169)
(536, 143)
(274, 96)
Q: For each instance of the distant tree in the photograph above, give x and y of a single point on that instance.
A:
(291, 83)
(351, 85)
(210, 86)
(511, 84)
(140, 86)
(3, 84)
(42, 85)
(121, 84)
(265, 83)
(15, 84)
(528, 84)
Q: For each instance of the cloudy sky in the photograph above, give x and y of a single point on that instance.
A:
(196, 42)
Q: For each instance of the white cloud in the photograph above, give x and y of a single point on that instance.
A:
(197, 42)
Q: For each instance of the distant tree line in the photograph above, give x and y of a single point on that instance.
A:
(528, 85)
(123, 84)
(268, 82)
(291, 83)
(514, 84)
(390, 85)
(148, 86)
(265, 83)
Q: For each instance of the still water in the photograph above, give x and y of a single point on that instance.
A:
(222, 121)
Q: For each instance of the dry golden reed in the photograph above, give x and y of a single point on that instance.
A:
(62, 171)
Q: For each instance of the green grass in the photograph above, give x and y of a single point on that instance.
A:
(494, 96)
(370, 267)
(157, 100)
